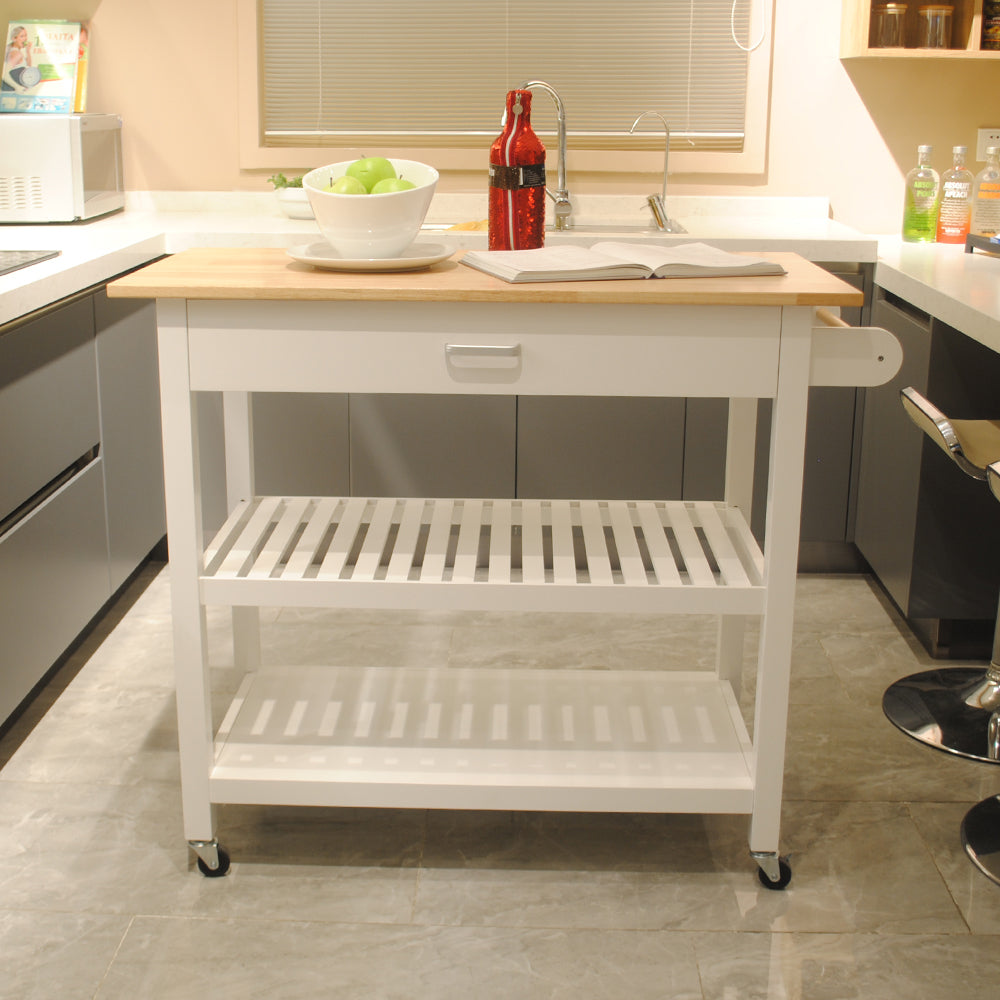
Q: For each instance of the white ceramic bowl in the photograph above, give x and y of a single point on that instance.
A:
(371, 226)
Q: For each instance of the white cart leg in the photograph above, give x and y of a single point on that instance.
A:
(730, 644)
(741, 441)
(784, 503)
(741, 446)
(238, 424)
(184, 532)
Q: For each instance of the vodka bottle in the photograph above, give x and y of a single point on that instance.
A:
(517, 180)
(986, 196)
(956, 200)
(920, 205)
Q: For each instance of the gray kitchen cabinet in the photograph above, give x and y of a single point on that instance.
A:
(829, 482)
(380, 445)
(53, 540)
(49, 410)
(930, 533)
(81, 487)
(53, 580)
(301, 444)
(130, 430)
(505, 446)
(587, 447)
(432, 446)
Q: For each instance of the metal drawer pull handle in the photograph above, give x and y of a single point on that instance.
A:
(483, 355)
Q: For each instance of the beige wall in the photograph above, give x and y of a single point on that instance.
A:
(845, 130)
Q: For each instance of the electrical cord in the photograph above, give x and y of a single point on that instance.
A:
(732, 27)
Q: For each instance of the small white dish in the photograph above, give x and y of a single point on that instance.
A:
(414, 257)
(294, 203)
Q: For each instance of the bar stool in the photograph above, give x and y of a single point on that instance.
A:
(981, 826)
(950, 708)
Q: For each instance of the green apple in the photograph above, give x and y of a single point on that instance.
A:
(389, 184)
(347, 185)
(370, 170)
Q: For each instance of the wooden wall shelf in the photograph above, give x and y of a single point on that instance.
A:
(856, 37)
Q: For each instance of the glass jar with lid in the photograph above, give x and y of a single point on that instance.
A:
(888, 25)
(934, 26)
(991, 25)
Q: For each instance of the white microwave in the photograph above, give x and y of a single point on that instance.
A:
(59, 168)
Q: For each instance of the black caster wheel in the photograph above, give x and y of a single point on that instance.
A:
(785, 876)
(215, 872)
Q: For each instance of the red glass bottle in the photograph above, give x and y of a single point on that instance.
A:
(517, 180)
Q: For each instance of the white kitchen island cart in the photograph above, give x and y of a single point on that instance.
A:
(243, 321)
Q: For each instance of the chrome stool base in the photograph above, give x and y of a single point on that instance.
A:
(947, 709)
(981, 837)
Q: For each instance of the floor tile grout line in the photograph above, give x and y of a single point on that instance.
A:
(937, 866)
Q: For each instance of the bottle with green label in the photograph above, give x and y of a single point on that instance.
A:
(920, 204)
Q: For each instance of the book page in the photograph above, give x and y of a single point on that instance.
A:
(566, 262)
(564, 257)
(689, 254)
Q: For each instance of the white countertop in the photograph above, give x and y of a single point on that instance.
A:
(155, 223)
(958, 288)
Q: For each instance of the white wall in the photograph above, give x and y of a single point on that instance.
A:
(845, 130)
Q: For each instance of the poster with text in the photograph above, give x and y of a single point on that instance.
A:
(40, 66)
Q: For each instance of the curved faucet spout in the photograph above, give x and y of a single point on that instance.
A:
(656, 202)
(563, 206)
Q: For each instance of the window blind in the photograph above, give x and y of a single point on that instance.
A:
(436, 71)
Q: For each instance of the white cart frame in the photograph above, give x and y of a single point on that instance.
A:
(633, 741)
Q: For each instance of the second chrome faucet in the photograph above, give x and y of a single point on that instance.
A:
(656, 202)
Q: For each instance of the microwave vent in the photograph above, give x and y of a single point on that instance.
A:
(20, 193)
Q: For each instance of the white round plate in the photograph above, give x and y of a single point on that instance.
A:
(414, 257)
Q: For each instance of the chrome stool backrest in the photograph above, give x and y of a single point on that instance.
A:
(971, 444)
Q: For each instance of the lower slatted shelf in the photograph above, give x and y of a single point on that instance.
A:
(447, 738)
(585, 555)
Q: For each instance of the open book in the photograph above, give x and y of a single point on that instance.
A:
(570, 262)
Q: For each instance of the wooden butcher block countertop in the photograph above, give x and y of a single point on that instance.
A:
(247, 273)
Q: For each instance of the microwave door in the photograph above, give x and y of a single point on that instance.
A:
(101, 171)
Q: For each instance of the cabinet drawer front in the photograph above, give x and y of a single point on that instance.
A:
(477, 348)
(48, 399)
(53, 580)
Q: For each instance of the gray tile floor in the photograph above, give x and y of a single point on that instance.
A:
(99, 899)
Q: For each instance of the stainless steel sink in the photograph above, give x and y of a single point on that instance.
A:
(617, 227)
(584, 229)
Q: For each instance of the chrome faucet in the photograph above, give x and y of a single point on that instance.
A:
(563, 206)
(656, 201)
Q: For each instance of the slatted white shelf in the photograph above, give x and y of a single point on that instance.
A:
(485, 739)
(583, 555)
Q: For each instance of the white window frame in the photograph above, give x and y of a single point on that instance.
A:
(752, 160)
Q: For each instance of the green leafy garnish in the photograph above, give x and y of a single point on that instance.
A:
(281, 181)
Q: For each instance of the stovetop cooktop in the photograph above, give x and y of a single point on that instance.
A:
(12, 260)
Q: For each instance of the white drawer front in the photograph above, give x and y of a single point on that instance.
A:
(475, 348)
